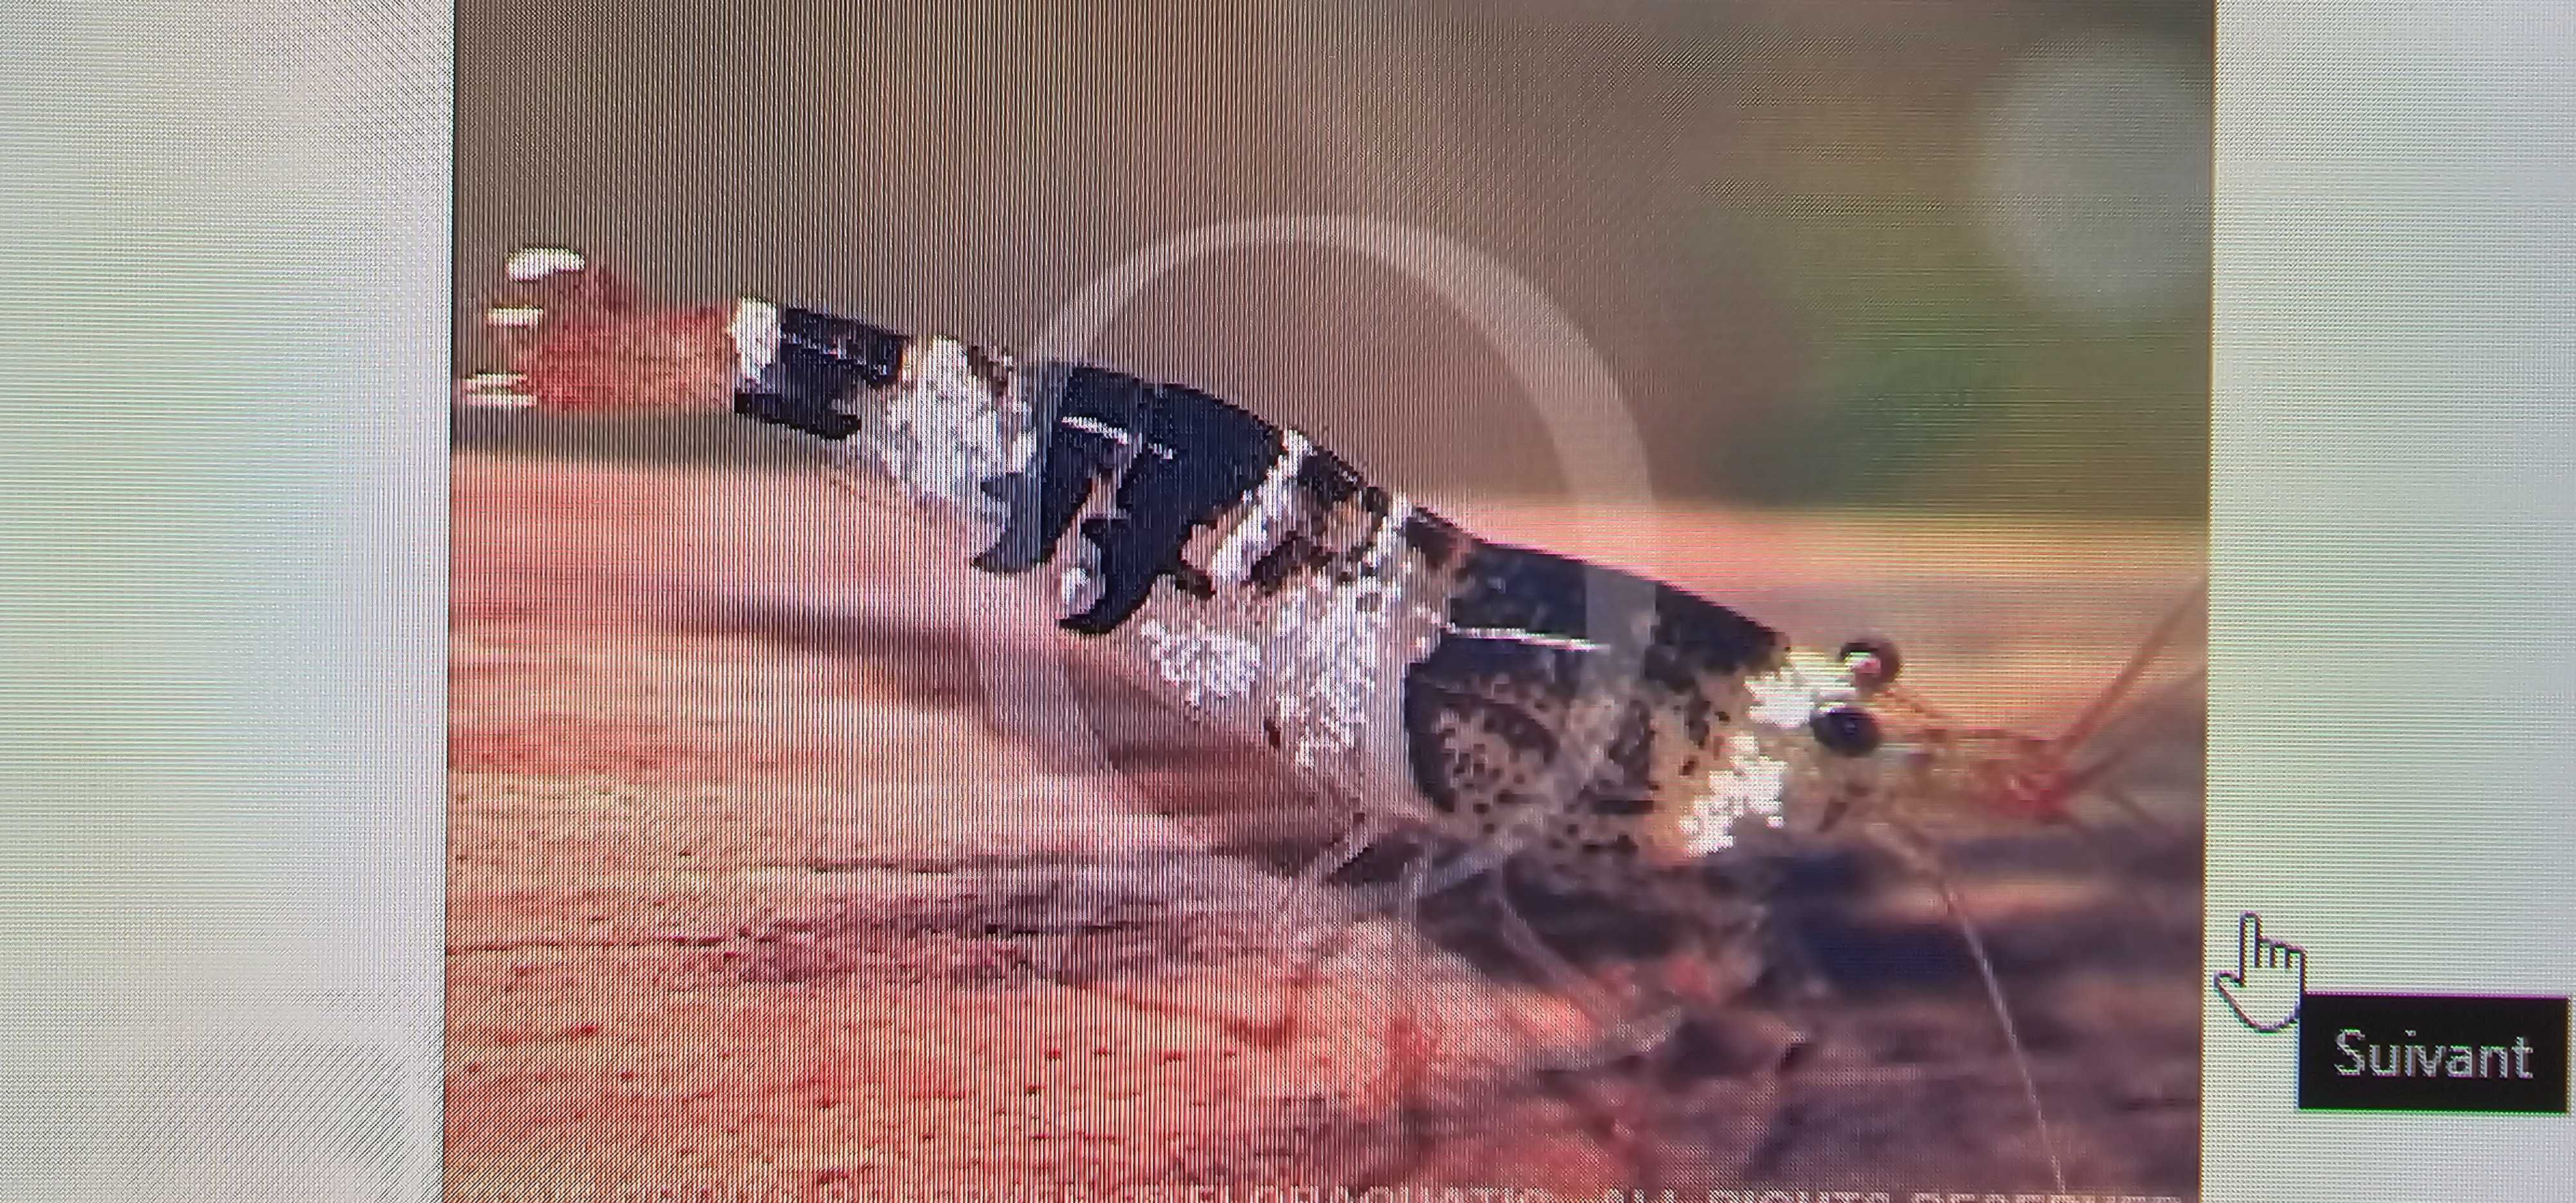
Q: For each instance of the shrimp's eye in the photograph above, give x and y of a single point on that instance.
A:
(1845, 729)
(1873, 663)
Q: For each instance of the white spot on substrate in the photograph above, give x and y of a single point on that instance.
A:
(1261, 529)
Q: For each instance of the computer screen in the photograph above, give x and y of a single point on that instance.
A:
(1733, 601)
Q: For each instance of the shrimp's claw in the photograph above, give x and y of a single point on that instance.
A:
(568, 334)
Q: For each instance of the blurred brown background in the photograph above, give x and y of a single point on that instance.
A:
(1918, 254)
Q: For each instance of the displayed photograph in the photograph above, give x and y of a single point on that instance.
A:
(1328, 600)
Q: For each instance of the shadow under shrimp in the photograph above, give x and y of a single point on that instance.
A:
(1855, 959)
(1898, 988)
(1240, 805)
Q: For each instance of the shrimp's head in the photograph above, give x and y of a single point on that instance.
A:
(1854, 749)
(1805, 749)
(1827, 743)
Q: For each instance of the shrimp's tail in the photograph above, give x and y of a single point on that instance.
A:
(569, 335)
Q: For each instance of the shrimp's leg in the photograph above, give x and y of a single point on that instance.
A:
(1622, 1037)
(1558, 1072)
(1304, 955)
(1411, 1034)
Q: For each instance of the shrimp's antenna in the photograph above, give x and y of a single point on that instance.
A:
(1914, 847)
(2099, 710)
(2094, 778)
(2003, 1015)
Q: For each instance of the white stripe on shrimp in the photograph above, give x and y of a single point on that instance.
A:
(1341, 630)
(1564, 643)
(1262, 529)
(946, 428)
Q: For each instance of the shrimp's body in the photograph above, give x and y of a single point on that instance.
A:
(1597, 725)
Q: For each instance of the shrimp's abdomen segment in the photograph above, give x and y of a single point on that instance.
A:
(1245, 574)
(1257, 580)
(801, 368)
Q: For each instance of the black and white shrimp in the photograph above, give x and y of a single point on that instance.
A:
(1514, 712)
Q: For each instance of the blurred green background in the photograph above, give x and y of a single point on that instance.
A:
(1946, 255)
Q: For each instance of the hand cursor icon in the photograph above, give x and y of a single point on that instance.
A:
(2270, 978)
